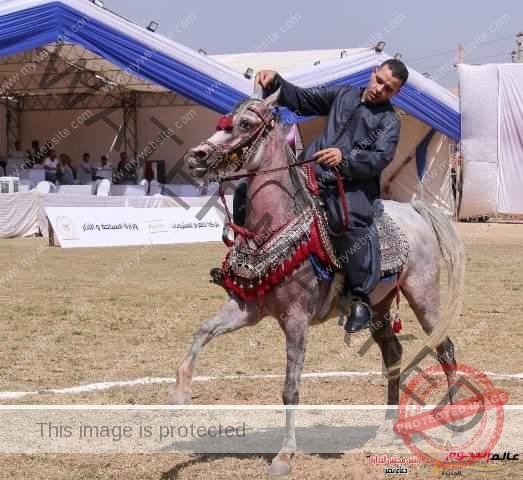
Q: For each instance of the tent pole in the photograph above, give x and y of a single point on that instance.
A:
(130, 124)
(12, 124)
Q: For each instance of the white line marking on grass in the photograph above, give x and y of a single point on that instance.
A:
(103, 386)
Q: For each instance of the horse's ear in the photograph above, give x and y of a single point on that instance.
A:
(258, 93)
(271, 100)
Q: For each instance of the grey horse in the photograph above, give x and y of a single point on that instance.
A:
(255, 140)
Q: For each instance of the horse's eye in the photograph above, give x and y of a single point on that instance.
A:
(244, 124)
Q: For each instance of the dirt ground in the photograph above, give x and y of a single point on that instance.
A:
(73, 317)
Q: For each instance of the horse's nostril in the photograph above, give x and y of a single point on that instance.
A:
(201, 154)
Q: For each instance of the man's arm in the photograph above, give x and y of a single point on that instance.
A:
(362, 164)
(302, 101)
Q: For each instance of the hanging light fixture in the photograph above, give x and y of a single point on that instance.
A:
(152, 26)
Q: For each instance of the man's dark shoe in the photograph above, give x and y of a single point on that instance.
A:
(360, 315)
(217, 276)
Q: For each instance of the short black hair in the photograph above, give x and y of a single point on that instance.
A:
(398, 69)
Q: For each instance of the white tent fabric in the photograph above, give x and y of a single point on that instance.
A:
(401, 180)
(18, 214)
(479, 142)
(510, 149)
(492, 139)
(24, 25)
(283, 62)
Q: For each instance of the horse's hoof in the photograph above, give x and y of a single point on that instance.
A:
(279, 468)
(179, 398)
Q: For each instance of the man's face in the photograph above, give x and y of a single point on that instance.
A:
(382, 85)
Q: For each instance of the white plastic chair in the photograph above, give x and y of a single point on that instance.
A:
(104, 188)
(145, 185)
(45, 187)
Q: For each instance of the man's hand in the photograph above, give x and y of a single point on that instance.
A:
(265, 78)
(329, 156)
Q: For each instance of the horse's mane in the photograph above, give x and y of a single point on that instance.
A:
(243, 104)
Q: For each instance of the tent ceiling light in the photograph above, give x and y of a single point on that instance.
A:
(379, 47)
(152, 26)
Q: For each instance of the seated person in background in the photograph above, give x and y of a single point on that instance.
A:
(18, 152)
(125, 171)
(86, 170)
(16, 157)
(51, 166)
(45, 150)
(67, 174)
(104, 165)
(37, 155)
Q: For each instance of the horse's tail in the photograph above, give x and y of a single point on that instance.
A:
(453, 255)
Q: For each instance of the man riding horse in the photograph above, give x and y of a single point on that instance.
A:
(359, 139)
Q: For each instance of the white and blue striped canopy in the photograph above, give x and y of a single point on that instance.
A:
(28, 24)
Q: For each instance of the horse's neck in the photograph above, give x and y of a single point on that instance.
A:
(271, 196)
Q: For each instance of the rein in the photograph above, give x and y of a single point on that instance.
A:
(267, 124)
(264, 172)
(249, 234)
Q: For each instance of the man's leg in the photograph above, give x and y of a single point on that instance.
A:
(239, 203)
(359, 253)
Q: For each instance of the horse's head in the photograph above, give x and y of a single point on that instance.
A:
(238, 141)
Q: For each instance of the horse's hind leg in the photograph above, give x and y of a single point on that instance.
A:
(448, 362)
(296, 329)
(391, 352)
(229, 319)
(422, 293)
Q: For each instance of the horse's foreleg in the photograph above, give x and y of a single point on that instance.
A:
(229, 319)
(296, 330)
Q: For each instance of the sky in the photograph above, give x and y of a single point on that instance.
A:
(426, 35)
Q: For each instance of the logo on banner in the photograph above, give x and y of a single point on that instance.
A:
(66, 228)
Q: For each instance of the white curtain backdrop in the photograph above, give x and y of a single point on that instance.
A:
(18, 214)
(510, 150)
(479, 139)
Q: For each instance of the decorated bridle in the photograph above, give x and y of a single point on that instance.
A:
(247, 148)
(242, 152)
